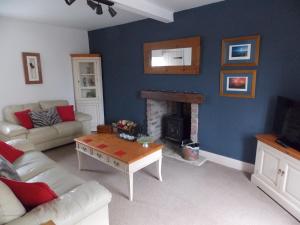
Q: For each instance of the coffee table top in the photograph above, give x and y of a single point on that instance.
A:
(112, 145)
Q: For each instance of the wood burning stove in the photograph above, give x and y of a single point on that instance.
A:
(177, 127)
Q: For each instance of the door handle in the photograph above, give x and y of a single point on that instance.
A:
(279, 171)
(282, 173)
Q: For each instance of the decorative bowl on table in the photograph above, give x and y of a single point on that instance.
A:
(145, 140)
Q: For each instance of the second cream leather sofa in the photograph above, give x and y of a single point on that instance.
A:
(44, 137)
(79, 202)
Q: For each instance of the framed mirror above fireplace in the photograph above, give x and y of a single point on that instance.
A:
(180, 56)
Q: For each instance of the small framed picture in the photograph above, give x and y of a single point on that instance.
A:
(240, 51)
(238, 83)
(32, 68)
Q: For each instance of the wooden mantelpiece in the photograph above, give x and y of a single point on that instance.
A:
(193, 98)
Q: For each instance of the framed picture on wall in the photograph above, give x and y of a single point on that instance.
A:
(32, 68)
(240, 51)
(238, 83)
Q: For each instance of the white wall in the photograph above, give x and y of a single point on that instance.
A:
(55, 44)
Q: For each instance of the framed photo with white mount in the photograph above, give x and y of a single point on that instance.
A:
(238, 83)
(32, 68)
(240, 51)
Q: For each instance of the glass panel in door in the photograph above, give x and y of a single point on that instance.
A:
(87, 68)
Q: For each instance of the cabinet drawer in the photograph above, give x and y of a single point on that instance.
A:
(85, 149)
(116, 164)
(102, 157)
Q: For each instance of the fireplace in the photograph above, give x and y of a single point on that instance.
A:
(172, 115)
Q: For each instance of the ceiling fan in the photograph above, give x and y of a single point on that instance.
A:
(96, 5)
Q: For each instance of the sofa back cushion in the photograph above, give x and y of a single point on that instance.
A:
(52, 103)
(9, 111)
(11, 207)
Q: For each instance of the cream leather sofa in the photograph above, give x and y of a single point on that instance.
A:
(44, 137)
(79, 202)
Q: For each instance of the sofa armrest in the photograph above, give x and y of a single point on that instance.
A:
(81, 117)
(9, 130)
(22, 144)
(69, 208)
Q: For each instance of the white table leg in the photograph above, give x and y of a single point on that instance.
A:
(158, 166)
(79, 160)
(130, 186)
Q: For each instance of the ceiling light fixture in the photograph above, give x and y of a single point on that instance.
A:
(96, 5)
(70, 2)
(91, 4)
(111, 11)
(99, 10)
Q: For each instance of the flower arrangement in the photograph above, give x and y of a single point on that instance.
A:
(127, 126)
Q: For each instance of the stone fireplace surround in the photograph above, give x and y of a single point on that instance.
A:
(160, 103)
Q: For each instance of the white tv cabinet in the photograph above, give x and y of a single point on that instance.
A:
(277, 172)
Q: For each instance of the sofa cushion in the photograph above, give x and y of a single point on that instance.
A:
(66, 112)
(9, 152)
(7, 169)
(58, 180)
(11, 207)
(70, 128)
(52, 103)
(31, 164)
(9, 111)
(24, 118)
(30, 194)
(45, 118)
(42, 134)
(39, 119)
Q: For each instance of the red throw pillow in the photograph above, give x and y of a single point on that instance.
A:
(66, 113)
(30, 194)
(24, 118)
(9, 152)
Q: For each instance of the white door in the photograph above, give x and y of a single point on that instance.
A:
(268, 165)
(290, 184)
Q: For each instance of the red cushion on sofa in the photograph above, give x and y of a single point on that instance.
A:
(24, 118)
(30, 194)
(9, 152)
(66, 113)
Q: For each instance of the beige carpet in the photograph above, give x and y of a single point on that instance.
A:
(189, 195)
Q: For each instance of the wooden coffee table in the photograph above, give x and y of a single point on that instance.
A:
(126, 156)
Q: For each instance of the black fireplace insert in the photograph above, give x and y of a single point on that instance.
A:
(177, 126)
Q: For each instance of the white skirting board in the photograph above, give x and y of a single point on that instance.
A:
(228, 162)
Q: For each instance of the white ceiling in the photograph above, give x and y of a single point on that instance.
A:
(80, 15)
(179, 5)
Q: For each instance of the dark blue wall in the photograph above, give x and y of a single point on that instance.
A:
(226, 125)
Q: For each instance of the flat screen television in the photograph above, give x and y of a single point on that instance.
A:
(287, 122)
